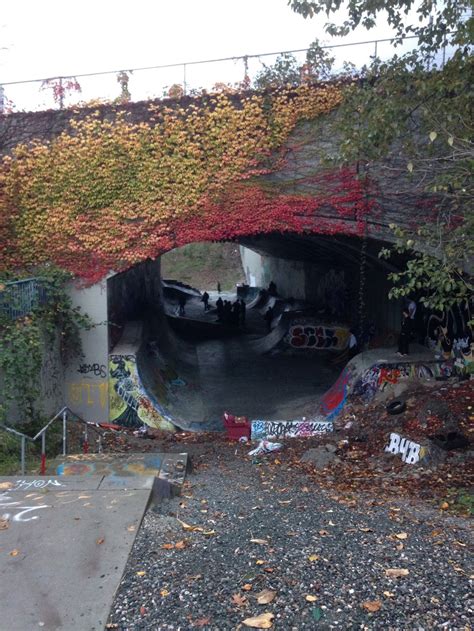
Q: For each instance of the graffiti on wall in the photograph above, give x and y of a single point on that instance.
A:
(96, 370)
(289, 429)
(319, 337)
(411, 452)
(451, 336)
(88, 393)
(150, 465)
(379, 376)
(334, 399)
(130, 405)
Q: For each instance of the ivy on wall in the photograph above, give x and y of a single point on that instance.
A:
(24, 339)
(112, 193)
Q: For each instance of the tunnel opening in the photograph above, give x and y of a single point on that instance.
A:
(174, 362)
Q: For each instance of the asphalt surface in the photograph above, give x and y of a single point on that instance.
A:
(312, 542)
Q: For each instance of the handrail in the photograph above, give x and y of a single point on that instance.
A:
(63, 416)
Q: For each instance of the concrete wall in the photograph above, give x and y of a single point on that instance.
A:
(52, 378)
(289, 276)
(86, 379)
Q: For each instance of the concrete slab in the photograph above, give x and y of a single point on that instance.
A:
(117, 467)
(63, 551)
(47, 484)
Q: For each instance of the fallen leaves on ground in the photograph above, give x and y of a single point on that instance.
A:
(202, 622)
(401, 535)
(263, 621)
(313, 557)
(4, 524)
(247, 587)
(140, 573)
(100, 541)
(265, 596)
(262, 542)
(239, 600)
(14, 553)
(372, 605)
(396, 572)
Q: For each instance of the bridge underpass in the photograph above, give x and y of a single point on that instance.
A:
(192, 368)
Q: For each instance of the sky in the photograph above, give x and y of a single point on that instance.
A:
(47, 38)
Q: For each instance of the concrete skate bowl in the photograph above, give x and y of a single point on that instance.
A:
(302, 331)
(381, 374)
(153, 379)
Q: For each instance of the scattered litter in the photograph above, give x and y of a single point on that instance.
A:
(265, 447)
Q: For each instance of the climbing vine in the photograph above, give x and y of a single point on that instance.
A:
(23, 340)
(112, 193)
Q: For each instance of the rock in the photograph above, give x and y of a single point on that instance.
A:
(320, 457)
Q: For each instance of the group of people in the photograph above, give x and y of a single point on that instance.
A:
(232, 313)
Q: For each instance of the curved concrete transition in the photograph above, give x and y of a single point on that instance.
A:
(379, 372)
(171, 372)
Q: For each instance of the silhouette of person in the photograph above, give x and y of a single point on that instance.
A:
(243, 311)
(405, 333)
(268, 317)
(205, 300)
(272, 289)
(218, 288)
(220, 308)
(182, 304)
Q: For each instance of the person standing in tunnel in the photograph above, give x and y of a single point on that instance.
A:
(182, 304)
(268, 317)
(205, 300)
(243, 311)
(220, 309)
(405, 333)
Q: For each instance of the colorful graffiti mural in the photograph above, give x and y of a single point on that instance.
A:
(289, 429)
(334, 399)
(317, 336)
(130, 405)
(411, 452)
(149, 465)
(379, 376)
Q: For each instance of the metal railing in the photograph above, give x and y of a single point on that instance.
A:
(18, 298)
(66, 91)
(65, 416)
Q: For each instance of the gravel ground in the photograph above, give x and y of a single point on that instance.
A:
(333, 548)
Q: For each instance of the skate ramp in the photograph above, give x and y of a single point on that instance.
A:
(379, 371)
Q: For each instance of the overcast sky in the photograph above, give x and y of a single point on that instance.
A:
(45, 38)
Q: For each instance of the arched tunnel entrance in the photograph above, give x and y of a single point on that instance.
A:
(172, 362)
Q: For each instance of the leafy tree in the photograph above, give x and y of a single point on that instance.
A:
(412, 118)
(287, 71)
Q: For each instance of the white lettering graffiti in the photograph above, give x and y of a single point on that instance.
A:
(289, 429)
(17, 512)
(411, 452)
(24, 485)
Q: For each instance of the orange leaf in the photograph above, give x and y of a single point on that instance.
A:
(372, 605)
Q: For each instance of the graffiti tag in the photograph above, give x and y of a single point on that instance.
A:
(411, 452)
(289, 429)
(98, 370)
(16, 511)
(317, 337)
(24, 485)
